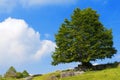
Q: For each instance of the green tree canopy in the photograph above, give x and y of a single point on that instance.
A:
(83, 38)
(19, 75)
(11, 72)
(25, 73)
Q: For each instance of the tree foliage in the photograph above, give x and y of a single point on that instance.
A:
(19, 75)
(11, 73)
(83, 38)
(25, 73)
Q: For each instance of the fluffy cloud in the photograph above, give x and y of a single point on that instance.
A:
(19, 43)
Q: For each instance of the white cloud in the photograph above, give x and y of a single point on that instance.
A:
(101, 1)
(19, 43)
(9, 5)
(46, 47)
(46, 2)
(47, 35)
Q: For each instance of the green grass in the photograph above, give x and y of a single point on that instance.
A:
(46, 76)
(108, 74)
(7, 79)
(10, 79)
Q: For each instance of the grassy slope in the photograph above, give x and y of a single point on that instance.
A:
(108, 74)
(46, 76)
(10, 79)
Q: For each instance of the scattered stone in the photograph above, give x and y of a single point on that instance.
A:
(67, 74)
(31, 76)
(28, 78)
(79, 72)
(53, 77)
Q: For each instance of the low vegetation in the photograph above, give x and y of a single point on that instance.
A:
(12, 74)
(107, 74)
(45, 76)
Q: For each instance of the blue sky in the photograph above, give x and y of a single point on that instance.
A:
(27, 29)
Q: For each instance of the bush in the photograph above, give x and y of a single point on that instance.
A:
(19, 75)
(25, 74)
(12, 73)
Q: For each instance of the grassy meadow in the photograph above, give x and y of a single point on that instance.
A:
(107, 74)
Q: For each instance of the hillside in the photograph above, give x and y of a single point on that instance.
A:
(108, 74)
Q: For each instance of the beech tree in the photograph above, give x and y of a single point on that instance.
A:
(83, 38)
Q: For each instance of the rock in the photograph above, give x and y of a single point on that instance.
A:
(79, 72)
(53, 77)
(119, 64)
(28, 78)
(31, 77)
(70, 73)
(67, 74)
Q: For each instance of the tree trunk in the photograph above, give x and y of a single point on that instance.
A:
(87, 65)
